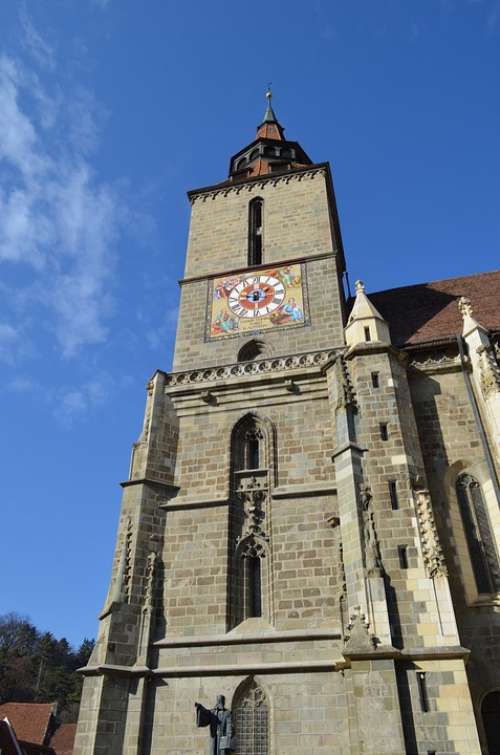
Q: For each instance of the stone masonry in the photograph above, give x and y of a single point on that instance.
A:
(328, 465)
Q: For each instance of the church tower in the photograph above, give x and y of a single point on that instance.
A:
(276, 542)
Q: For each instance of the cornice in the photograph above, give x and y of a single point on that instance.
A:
(261, 367)
(265, 266)
(297, 174)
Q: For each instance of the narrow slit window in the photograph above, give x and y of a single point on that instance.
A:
(384, 432)
(255, 230)
(368, 336)
(393, 493)
(403, 556)
(254, 587)
(422, 691)
(375, 380)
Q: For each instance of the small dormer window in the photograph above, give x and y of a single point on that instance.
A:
(255, 229)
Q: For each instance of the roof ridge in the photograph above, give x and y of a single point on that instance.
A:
(433, 282)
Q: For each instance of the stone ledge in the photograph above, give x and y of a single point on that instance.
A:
(243, 639)
(349, 446)
(243, 669)
(303, 491)
(168, 487)
(197, 503)
(108, 668)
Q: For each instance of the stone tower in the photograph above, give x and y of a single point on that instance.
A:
(277, 542)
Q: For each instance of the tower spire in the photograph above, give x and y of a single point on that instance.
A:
(269, 115)
(270, 127)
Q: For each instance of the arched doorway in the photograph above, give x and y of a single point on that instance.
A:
(490, 712)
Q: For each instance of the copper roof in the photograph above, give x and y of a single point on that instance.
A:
(429, 312)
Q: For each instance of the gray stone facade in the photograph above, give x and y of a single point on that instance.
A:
(368, 606)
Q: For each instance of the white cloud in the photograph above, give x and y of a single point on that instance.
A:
(56, 218)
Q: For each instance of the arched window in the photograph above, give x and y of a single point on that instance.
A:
(249, 569)
(255, 231)
(480, 541)
(251, 350)
(490, 712)
(251, 719)
(248, 451)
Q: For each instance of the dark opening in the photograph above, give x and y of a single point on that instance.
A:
(255, 232)
(490, 711)
(252, 453)
(367, 334)
(254, 586)
(422, 691)
(393, 492)
(384, 433)
(403, 556)
(375, 380)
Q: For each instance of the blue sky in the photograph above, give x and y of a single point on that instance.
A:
(109, 111)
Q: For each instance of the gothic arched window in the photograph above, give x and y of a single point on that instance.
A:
(251, 719)
(248, 449)
(249, 572)
(255, 231)
(480, 541)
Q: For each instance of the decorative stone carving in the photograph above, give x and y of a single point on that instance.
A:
(149, 411)
(150, 579)
(431, 547)
(127, 577)
(256, 367)
(253, 497)
(258, 185)
(346, 394)
(465, 307)
(438, 362)
(357, 635)
(373, 559)
(489, 370)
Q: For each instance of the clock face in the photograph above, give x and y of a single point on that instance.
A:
(255, 301)
(256, 296)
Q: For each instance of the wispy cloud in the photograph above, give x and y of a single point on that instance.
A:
(9, 342)
(57, 219)
(34, 43)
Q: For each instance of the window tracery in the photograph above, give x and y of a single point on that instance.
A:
(249, 571)
(478, 534)
(251, 720)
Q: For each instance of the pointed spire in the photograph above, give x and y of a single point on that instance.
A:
(269, 115)
(270, 127)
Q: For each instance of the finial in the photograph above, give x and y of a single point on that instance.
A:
(360, 287)
(269, 92)
(465, 307)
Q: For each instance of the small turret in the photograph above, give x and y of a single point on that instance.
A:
(365, 323)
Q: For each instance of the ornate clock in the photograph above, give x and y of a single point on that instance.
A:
(256, 301)
(256, 296)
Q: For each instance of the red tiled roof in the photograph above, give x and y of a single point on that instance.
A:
(30, 720)
(429, 311)
(63, 739)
